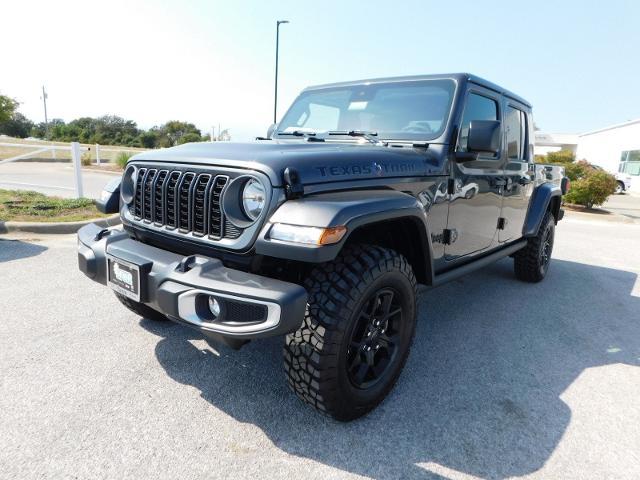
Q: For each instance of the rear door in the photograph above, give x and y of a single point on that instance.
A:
(518, 171)
(476, 196)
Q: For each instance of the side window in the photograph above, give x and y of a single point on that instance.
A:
(516, 130)
(478, 108)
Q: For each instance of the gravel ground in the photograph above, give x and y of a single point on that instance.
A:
(505, 379)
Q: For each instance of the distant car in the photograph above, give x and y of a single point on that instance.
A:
(623, 181)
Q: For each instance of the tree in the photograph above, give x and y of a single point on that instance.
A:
(8, 107)
(173, 130)
(17, 126)
(189, 138)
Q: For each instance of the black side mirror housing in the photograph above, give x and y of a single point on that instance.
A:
(484, 136)
(109, 201)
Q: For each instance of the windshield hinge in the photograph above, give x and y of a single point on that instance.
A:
(292, 187)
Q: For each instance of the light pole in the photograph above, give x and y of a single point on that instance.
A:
(275, 97)
(46, 120)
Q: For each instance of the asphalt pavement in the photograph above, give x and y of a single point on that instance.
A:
(505, 379)
(52, 178)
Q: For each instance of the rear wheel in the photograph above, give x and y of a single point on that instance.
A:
(357, 332)
(140, 308)
(532, 262)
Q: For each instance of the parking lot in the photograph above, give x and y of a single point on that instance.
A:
(505, 379)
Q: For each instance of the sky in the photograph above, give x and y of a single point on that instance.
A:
(212, 62)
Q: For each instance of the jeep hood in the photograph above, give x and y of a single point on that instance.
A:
(316, 162)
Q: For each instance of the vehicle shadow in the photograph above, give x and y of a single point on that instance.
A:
(480, 393)
(17, 249)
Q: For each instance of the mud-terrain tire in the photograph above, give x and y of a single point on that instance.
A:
(357, 331)
(140, 308)
(532, 262)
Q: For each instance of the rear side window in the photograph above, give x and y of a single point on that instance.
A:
(516, 130)
(478, 107)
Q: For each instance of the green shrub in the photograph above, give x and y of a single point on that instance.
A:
(576, 171)
(122, 158)
(562, 157)
(85, 159)
(592, 188)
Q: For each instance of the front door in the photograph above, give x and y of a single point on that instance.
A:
(518, 171)
(476, 198)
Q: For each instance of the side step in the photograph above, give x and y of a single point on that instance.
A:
(476, 264)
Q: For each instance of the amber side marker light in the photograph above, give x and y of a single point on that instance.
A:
(307, 235)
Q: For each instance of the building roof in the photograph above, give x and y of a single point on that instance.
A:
(611, 127)
(460, 77)
(555, 139)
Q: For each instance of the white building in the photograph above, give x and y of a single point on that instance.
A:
(615, 148)
(553, 142)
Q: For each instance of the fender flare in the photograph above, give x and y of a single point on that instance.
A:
(538, 206)
(353, 209)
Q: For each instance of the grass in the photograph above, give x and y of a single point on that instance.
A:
(28, 206)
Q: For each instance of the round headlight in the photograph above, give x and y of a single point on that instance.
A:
(253, 199)
(127, 186)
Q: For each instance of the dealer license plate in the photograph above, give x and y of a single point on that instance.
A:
(124, 278)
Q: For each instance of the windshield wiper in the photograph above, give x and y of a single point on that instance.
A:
(298, 133)
(369, 136)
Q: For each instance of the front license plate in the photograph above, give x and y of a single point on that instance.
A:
(124, 278)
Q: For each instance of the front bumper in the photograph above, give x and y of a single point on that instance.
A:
(179, 286)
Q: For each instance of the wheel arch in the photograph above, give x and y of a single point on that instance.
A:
(546, 197)
(371, 216)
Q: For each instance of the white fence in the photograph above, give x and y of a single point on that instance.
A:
(76, 160)
(76, 151)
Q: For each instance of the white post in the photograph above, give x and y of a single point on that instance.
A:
(77, 167)
(213, 134)
(53, 153)
(97, 153)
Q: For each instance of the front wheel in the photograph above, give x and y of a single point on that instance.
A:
(357, 331)
(532, 262)
(619, 187)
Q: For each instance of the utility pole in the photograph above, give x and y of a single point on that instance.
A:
(275, 99)
(46, 120)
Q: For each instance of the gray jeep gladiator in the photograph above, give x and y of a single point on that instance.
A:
(321, 231)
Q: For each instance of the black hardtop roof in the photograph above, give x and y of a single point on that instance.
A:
(459, 77)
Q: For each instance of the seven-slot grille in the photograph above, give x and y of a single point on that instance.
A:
(184, 201)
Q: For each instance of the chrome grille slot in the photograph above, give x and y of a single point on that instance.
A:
(199, 203)
(170, 202)
(148, 194)
(158, 197)
(185, 192)
(137, 201)
(215, 209)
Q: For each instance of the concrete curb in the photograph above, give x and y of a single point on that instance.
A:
(57, 227)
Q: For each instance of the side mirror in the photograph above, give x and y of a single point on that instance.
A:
(109, 201)
(271, 129)
(484, 136)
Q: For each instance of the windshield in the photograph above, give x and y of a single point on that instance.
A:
(413, 110)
